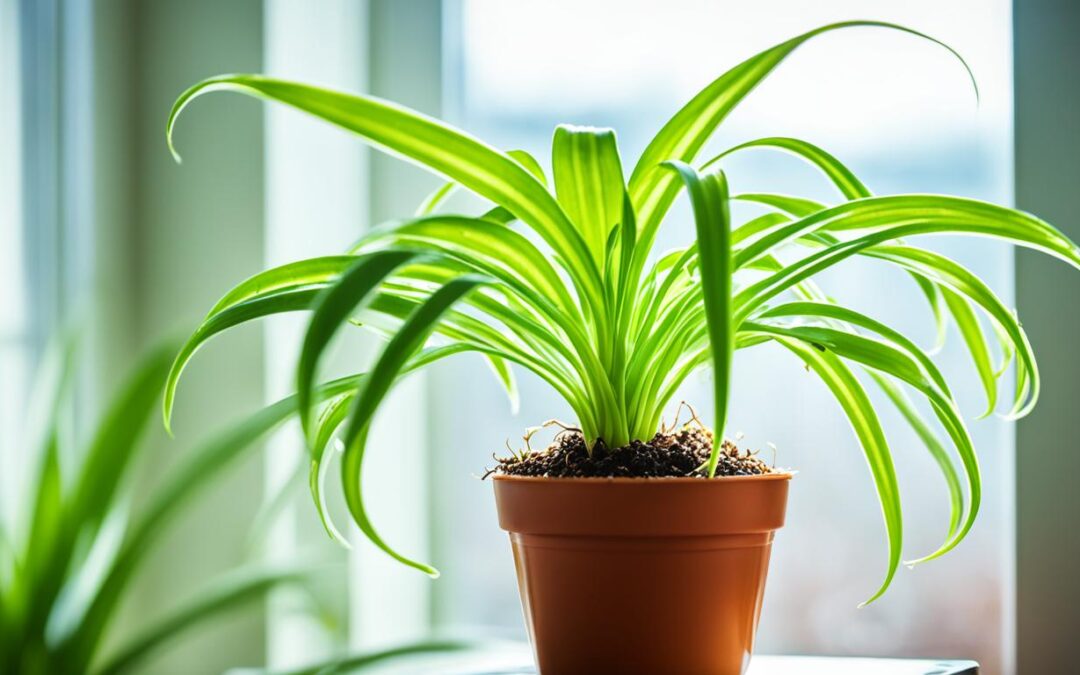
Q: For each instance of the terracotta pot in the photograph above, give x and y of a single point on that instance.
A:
(634, 575)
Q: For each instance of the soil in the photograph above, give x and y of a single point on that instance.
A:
(682, 453)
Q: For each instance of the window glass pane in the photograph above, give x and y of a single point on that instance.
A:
(13, 314)
(901, 113)
(13, 320)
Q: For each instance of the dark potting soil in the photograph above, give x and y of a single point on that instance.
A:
(682, 453)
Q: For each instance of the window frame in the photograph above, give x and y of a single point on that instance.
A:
(1046, 95)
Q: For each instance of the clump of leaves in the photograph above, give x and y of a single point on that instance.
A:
(67, 560)
(613, 327)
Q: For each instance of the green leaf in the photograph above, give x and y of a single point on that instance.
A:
(493, 250)
(968, 323)
(860, 412)
(331, 309)
(405, 342)
(360, 662)
(440, 194)
(46, 531)
(796, 206)
(435, 199)
(74, 517)
(934, 297)
(313, 272)
(867, 351)
(290, 300)
(625, 289)
(841, 176)
(502, 371)
(529, 163)
(953, 276)
(709, 199)
(332, 416)
(589, 182)
(430, 143)
(891, 361)
(763, 223)
(848, 316)
(196, 471)
(483, 338)
(41, 553)
(114, 445)
(226, 595)
(686, 133)
(287, 288)
(274, 505)
(930, 441)
(918, 214)
(677, 271)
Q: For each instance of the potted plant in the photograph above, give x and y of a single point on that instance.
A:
(638, 549)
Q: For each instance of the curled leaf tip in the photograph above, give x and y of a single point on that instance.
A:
(948, 546)
(880, 592)
(169, 141)
(432, 572)
(166, 420)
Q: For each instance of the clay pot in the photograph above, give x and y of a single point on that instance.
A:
(636, 575)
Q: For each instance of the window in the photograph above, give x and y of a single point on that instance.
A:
(903, 116)
(32, 215)
(13, 323)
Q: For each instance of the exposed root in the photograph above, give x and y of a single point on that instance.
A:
(563, 429)
(693, 416)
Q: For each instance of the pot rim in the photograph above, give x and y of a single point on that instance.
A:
(643, 480)
(667, 507)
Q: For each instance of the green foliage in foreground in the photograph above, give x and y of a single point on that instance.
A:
(409, 654)
(64, 566)
(615, 328)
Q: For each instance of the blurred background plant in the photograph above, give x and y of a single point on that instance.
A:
(66, 563)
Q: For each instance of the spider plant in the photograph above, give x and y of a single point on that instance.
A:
(612, 325)
(76, 544)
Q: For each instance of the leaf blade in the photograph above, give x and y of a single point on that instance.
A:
(712, 219)
(405, 342)
(860, 412)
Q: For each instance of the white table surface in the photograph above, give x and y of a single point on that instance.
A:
(516, 660)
